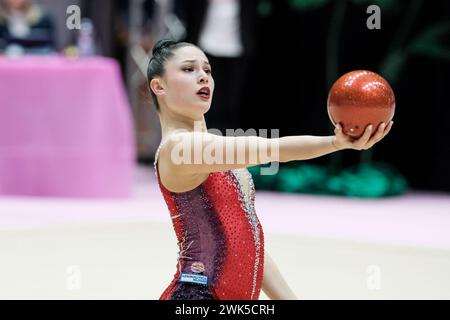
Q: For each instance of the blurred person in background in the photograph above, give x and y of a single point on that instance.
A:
(226, 31)
(25, 28)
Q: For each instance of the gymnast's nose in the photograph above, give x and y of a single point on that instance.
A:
(203, 77)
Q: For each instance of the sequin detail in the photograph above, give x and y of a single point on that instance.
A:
(189, 291)
(247, 196)
(203, 237)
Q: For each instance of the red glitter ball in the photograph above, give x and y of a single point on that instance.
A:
(360, 98)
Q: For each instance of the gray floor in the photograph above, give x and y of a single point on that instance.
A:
(137, 261)
(326, 248)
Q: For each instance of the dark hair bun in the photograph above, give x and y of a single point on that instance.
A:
(161, 44)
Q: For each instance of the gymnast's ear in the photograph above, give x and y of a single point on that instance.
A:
(156, 87)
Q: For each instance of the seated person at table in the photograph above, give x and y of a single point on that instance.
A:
(25, 28)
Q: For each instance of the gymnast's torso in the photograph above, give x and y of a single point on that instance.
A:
(220, 239)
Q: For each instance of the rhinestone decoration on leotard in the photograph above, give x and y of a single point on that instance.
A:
(189, 291)
(247, 197)
(203, 233)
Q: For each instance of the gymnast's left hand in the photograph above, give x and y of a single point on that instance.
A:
(342, 141)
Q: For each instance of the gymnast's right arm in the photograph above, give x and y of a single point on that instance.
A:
(201, 152)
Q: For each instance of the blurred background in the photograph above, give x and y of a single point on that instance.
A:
(81, 215)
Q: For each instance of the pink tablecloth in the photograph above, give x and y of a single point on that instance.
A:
(65, 128)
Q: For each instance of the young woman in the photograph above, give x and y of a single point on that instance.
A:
(210, 197)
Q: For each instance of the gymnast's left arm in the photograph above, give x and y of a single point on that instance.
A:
(273, 284)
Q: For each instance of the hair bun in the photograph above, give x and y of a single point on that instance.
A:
(161, 44)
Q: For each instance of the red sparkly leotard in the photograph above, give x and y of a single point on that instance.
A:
(220, 239)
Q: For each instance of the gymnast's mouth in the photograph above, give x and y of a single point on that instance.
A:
(204, 93)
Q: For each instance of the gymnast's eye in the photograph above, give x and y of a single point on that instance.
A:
(189, 69)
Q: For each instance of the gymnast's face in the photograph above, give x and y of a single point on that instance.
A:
(187, 85)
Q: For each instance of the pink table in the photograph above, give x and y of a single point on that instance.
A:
(65, 128)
